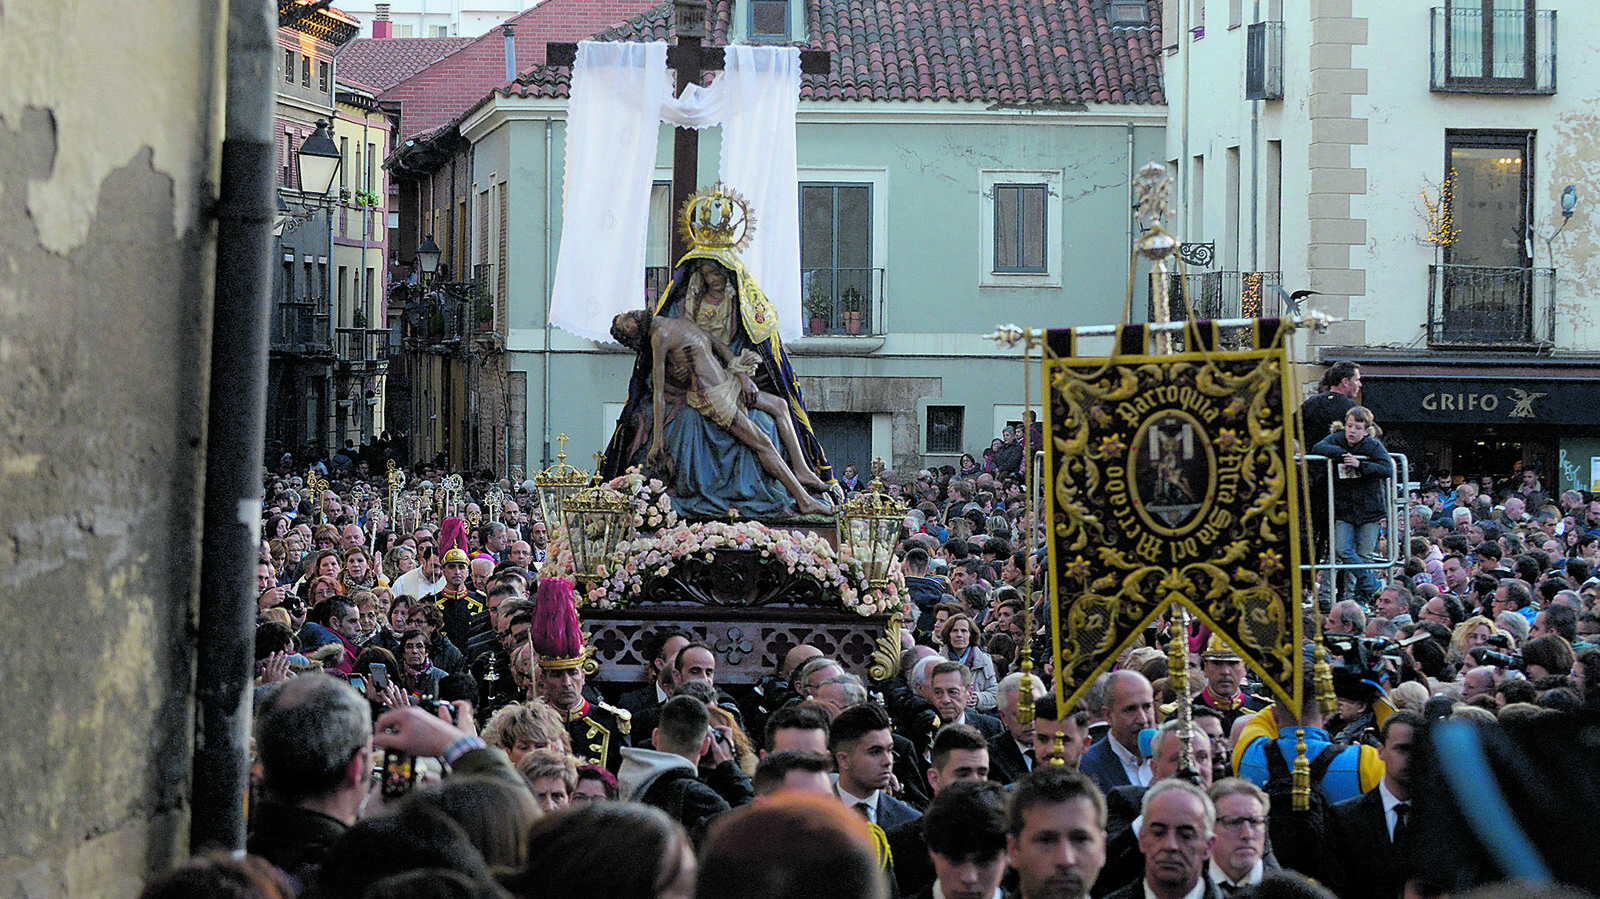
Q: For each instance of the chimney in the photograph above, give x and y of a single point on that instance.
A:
(510, 31)
(381, 26)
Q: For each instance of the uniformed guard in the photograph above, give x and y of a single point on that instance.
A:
(598, 731)
(465, 612)
(1224, 692)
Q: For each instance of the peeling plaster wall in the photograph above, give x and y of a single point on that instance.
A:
(108, 121)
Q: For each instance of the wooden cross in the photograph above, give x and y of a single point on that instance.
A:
(690, 60)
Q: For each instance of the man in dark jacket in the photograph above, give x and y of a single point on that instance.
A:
(315, 739)
(668, 776)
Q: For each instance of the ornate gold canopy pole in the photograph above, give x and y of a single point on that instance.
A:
(1154, 188)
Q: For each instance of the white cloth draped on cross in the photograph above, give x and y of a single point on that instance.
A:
(621, 92)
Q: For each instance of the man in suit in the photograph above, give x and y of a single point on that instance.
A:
(1124, 804)
(1011, 752)
(966, 831)
(1175, 837)
(1055, 833)
(660, 649)
(861, 741)
(1361, 846)
(1129, 707)
(949, 688)
(959, 754)
(1239, 856)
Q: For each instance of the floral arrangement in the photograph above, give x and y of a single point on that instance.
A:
(663, 541)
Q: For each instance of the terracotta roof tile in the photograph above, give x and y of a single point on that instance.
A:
(1040, 52)
(381, 63)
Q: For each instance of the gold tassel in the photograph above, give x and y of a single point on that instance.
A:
(1178, 658)
(1324, 673)
(1302, 771)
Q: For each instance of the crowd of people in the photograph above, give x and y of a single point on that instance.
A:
(414, 738)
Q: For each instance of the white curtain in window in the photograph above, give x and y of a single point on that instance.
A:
(758, 160)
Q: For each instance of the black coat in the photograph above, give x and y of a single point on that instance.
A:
(1358, 857)
(1358, 500)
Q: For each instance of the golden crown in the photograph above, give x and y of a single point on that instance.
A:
(717, 217)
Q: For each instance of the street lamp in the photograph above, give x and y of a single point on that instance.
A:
(319, 161)
(428, 254)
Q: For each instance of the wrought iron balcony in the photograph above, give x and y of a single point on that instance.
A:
(1263, 61)
(446, 315)
(845, 302)
(1508, 51)
(1491, 306)
(1215, 295)
(298, 327)
(364, 348)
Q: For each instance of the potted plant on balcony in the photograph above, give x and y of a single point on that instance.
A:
(818, 306)
(482, 308)
(850, 303)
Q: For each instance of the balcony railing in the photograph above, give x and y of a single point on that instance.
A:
(444, 316)
(1511, 51)
(657, 281)
(843, 301)
(298, 327)
(361, 347)
(1217, 295)
(1491, 306)
(1263, 69)
(838, 301)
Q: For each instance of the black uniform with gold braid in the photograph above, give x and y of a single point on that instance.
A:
(717, 223)
(598, 731)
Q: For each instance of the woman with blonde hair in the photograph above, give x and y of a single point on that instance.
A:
(522, 727)
(744, 752)
(1470, 635)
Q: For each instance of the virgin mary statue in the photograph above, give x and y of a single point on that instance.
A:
(711, 471)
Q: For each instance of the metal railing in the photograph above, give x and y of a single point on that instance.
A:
(1511, 51)
(1216, 295)
(1493, 306)
(361, 346)
(1396, 535)
(657, 281)
(1263, 66)
(443, 315)
(298, 327)
(843, 301)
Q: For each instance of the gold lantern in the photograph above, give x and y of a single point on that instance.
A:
(556, 483)
(597, 520)
(869, 525)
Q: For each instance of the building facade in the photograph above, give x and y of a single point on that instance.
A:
(989, 186)
(359, 306)
(432, 18)
(1422, 167)
(300, 368)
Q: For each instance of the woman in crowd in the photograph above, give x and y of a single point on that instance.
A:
(358, 571)
(958, 638)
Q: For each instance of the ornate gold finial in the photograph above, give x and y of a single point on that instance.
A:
(717, 218)
(1153, 188)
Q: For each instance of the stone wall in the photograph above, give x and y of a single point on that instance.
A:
(104, 331)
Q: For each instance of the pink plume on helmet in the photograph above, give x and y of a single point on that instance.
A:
(452, 535)
(557, 635)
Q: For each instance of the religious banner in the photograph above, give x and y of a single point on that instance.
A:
(1171, 479)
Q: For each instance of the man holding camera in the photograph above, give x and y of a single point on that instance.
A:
(668, 776)
(315, 740)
